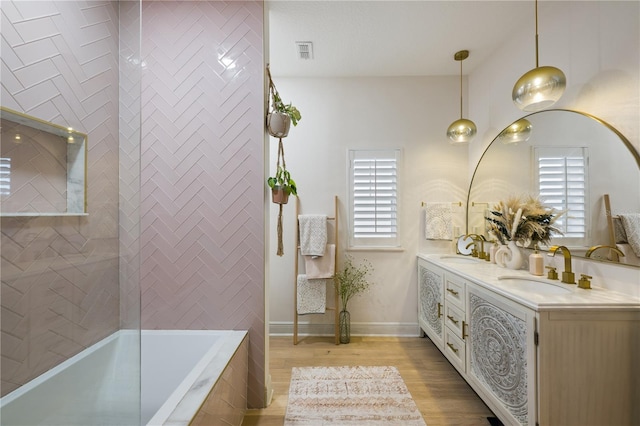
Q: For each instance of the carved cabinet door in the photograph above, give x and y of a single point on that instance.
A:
(431, 301)
(501, 354)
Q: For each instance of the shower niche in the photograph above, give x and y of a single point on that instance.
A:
(43, 169)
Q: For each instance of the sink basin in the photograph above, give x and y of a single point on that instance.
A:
(534, 286)
(458, 259)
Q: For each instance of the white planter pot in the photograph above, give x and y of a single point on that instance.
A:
(278, 124)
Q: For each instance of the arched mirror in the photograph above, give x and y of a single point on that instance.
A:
(574, 160)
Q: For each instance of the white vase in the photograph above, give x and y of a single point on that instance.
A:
(509, 256)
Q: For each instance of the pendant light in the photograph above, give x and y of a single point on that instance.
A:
(540, 87)
(518, 131)
(462, 130)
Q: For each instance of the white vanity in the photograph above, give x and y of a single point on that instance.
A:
(536, 351)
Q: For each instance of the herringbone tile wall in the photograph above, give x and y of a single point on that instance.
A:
(202, 225)
(60, 274)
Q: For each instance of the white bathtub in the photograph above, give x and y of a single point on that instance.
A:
(182, 376)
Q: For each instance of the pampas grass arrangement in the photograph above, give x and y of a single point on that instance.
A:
(526, 221)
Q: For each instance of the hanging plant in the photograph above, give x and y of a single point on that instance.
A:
(282, 115)
(278, 123)
(282, 185)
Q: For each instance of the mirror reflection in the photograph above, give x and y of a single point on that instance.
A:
(573, 162)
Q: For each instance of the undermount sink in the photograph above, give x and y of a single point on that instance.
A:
(533, 285)
(458, 259)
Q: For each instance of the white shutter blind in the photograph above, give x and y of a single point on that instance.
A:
(5, 176)
(562, 184)
(374, 198)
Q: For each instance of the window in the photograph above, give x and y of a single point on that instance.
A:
(562, 185)
(5, 176)
(373, 201)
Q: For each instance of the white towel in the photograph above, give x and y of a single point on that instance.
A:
(313, 234)
(323, 266)
(437, 221)
(631, 224)
(312, 296)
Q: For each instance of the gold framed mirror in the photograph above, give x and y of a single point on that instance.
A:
(610, 166)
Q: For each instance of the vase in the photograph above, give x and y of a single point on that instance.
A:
(345, 326)
(509, 256)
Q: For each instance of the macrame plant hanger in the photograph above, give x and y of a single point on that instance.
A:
(280, 251)
(273, 92)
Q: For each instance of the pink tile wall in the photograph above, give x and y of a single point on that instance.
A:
(202, 232)
(59, 289)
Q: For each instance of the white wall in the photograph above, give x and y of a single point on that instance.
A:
(337, 114)
(595, 43)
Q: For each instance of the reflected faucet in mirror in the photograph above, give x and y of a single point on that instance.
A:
(567, 275)
(477, 238)
(614, 252)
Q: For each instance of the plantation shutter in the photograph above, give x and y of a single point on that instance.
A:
(5, 176)
(562, 185)
(374, 198)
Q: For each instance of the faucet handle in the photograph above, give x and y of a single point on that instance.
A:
(552, 274)
(584, 282)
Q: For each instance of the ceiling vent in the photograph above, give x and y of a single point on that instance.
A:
(304, 49)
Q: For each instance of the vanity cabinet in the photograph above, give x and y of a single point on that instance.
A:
(534, 360)
(501, 361)
(431, 301)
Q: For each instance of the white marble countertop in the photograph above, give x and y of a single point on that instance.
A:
(488, 275)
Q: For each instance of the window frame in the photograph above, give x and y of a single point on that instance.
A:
(384, 242)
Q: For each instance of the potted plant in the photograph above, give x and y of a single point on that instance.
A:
(282, 115)
(282, 185)
(350, 281)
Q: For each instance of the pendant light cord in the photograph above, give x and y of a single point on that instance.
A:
(461, 89)
(536, 3)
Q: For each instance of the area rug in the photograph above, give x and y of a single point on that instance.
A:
(360, 396)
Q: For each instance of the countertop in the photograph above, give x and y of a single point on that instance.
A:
(488, 275)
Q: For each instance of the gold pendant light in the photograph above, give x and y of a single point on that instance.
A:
(541, 87)
(518, 131)
(462, 130)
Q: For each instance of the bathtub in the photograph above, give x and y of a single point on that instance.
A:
(187, 377)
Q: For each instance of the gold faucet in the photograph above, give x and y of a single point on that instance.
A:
(475, 253)
(567, 276)
(613, 257)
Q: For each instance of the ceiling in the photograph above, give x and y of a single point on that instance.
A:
(391, 38)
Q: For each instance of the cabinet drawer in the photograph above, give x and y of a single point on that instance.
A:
(454, 290)
(454, 318)
(455, 349)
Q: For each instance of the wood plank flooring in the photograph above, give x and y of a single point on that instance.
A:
(441, 394)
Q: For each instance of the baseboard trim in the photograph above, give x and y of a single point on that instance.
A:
(285, 328)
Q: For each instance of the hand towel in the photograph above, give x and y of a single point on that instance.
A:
(437, 221)
(321, 267)
(631, 224)
(618, 231)
(312, 296)
(313, 234)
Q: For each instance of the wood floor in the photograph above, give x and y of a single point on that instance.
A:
(442, 396)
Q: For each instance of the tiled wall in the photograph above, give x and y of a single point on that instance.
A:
(60, 274)
(202, 232)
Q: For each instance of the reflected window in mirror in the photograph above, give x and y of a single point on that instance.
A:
(561, 178)
(5, 176)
